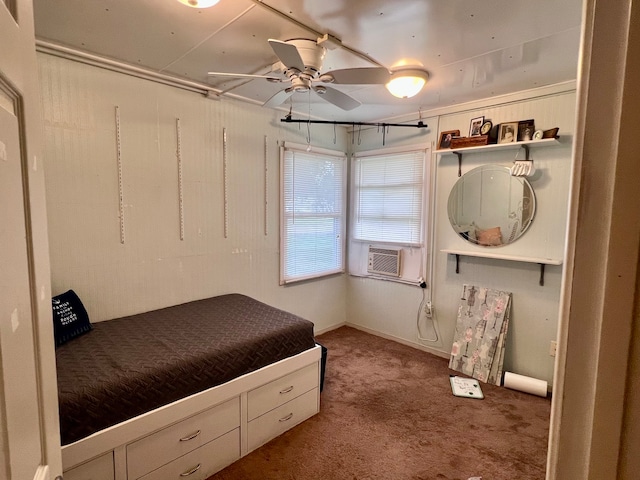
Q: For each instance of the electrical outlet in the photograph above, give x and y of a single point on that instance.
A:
(552, 348)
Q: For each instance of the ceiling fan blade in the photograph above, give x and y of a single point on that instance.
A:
(278, 98)
(358, 76)
(244, 75)
(338, 98)
(288, 54)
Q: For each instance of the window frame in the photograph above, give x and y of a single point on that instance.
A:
(427, 183)
(284, 216)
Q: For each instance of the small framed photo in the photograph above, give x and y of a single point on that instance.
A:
(508, 132)
(446, 137)
(475, 126)
(526, 129)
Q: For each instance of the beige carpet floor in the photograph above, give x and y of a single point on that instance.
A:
(387, 412)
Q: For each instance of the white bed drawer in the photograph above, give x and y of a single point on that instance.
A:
(202, 462)
(281, 419)
(176, 440)
(100, 468)
(277, 392)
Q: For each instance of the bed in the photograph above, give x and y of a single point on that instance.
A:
(221, 369)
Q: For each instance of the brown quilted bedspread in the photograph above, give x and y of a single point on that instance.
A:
(131, 365)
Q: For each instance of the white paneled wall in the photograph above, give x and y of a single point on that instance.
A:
(392, 309)
(154, 267)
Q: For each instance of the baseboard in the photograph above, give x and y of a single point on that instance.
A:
(328, 329)
(386, 336)
(408, 343)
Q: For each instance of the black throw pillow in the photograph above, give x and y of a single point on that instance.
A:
(70, 319)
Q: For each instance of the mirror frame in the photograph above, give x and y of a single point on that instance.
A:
(494, 232)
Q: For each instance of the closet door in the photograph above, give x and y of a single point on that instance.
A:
(29, 437)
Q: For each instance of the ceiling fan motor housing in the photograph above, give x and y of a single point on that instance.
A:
(311, 53)
(300, 83)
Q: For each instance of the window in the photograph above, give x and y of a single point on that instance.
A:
(388, 197)
(312, 213)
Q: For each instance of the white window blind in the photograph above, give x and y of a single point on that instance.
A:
(388, 197)
(312, 214)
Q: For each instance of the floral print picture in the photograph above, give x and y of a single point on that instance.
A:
(481, 328)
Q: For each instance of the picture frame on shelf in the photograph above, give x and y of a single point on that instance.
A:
(526, 129)
(493, 134)
(446, 137)
(486, 127)
(475, 125)
(508, 132)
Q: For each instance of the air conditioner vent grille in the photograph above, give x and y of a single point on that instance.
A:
(384, 261)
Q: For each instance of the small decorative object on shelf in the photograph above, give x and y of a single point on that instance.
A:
(537, 135)
(551, 133)
(475, 141)
(446, 137)
(508, 132)
(526, 128)
(475, 126)
(485, 129)
(493, 134)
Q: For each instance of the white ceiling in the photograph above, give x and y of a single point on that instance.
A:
(472, 50)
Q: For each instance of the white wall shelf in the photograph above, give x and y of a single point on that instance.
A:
(543, 142)
(500, 256)
(515, 258)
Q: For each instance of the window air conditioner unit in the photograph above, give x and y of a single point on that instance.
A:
(384, 261)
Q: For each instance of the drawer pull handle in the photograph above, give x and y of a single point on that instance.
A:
(288, 417)
(190, 472)
(190, 437)
(286, 390)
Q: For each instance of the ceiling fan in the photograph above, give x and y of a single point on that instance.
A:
(302, 60)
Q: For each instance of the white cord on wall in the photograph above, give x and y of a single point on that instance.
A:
(429, 314)
(428, 310)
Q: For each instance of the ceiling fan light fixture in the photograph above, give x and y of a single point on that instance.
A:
(407, 82)
(199, 3)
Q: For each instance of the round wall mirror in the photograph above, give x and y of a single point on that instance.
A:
(490, 207)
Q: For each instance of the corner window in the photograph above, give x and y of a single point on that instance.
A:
(391, 210)
(388, 197)
(313, 202)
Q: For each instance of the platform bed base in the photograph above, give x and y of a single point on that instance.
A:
(204, 432)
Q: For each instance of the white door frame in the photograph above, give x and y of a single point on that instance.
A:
(26, 313)
(593, 434)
